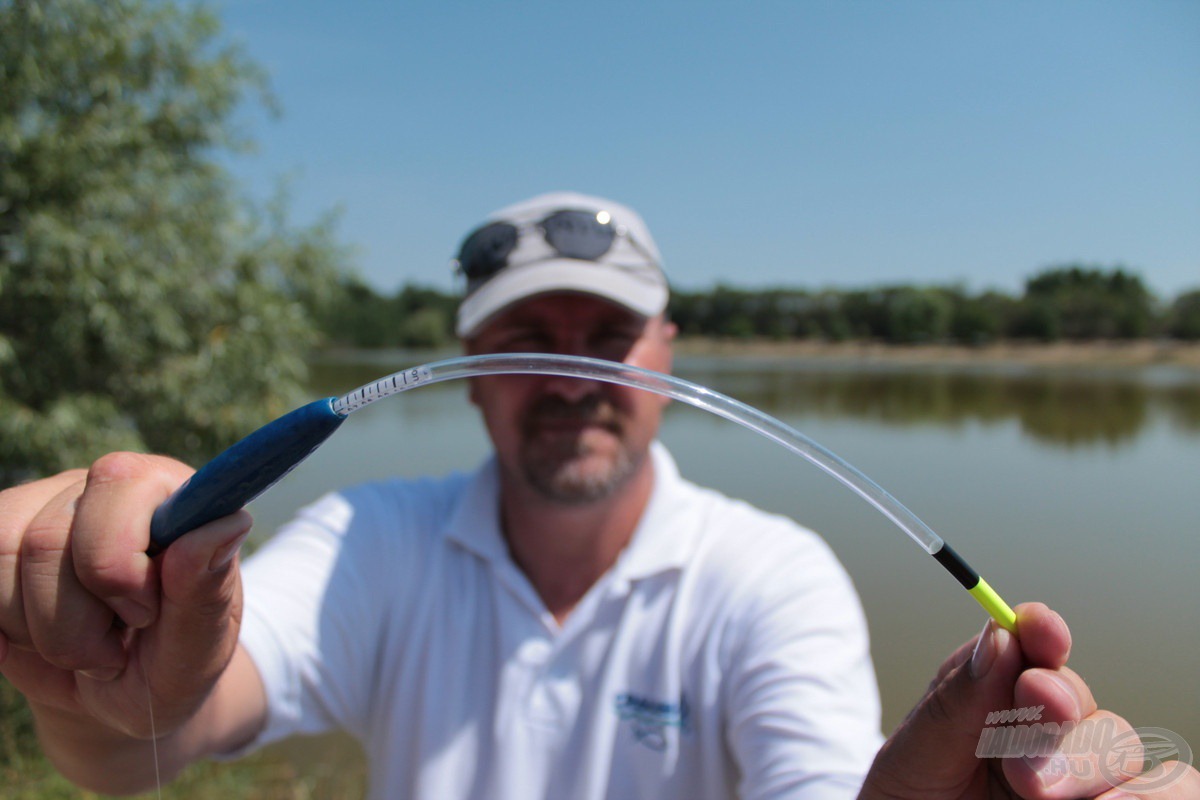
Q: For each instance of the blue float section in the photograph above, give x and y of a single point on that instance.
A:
(243, 472)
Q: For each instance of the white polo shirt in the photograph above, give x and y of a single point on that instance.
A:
(724, 655)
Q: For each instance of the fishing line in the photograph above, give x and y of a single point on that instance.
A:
(254, 464)
(153, 734)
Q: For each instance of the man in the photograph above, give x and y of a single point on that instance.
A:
(572, 619)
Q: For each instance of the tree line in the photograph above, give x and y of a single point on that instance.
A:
(1063, 303)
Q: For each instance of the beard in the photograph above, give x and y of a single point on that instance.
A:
(575, 453)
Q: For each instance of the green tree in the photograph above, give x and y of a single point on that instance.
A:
(143, 304)
(978, 320)
(424, 317)
(1078, 302)
(825, 317)
(1183, 318)
(865, 313)
(357, 316)
(916, 315)
(685, 311)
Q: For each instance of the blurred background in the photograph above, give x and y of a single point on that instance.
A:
(958, 244)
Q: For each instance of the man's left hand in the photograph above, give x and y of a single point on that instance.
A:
(932, 754)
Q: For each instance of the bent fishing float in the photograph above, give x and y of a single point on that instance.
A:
(255, 463)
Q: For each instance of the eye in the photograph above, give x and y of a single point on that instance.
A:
(615, 342)
(522, 340)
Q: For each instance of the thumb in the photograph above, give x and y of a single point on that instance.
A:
(932, 752)
(196, 633)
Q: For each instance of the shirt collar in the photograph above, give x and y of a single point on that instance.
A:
(669, 530)
(475, 522)
(664, 539)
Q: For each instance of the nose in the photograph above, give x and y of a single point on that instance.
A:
(572, 389)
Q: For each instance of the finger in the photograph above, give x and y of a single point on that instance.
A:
(1083, 759)
(40, 682)
(1171, 780)
(959, 657)
(1045, 641)
(112, 531)
(70, 627)
(934, 748)
(1060, 695)
(18, 507)
(1045, 637)
(200, 611)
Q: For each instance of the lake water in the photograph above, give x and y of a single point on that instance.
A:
(1076, 487)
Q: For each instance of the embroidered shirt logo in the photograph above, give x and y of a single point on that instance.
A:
(650, 719)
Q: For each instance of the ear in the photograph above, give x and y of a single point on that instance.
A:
(666, 333)
(669, 331)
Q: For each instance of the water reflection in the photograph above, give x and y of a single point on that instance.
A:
(1061, 408)
(1067, 408)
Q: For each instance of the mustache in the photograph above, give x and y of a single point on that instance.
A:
(592, 409)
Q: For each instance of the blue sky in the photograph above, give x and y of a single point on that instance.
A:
(811, 144)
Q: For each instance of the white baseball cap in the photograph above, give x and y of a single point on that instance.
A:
(559, 242)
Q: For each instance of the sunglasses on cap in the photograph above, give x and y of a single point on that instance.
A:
(571, 233)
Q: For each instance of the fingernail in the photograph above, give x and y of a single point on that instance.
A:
(985, 652)
(104, 674)
(131, 612)
(1048, 769)
(226, 552)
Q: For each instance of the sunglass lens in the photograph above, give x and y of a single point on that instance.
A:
(485, 252)
(578, 234)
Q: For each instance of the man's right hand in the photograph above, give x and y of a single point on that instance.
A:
(88, 621)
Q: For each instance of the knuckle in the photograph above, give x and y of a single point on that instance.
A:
(217, 611)
(45, 540)
(20, 504)
(17, 635)
(70, 653)
(12, 493)
(124, 466)
(105, 563)
(71, 660)
(105, 573)
(117, 467)
(10, 563)
(937, 709)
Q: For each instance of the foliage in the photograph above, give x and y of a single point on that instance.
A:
(1061, 302)
(276, 772)
(1183, 318)
(979, 320)
(425, 317)
(1077, 302)
(917, 315)
(142, 304)
(417, 317)
(273, 773)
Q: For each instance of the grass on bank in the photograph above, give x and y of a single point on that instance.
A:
(303, 769)
(262, 777)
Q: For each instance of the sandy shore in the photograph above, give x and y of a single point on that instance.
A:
(1091, 354)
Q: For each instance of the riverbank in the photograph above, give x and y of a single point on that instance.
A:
(1065, 354)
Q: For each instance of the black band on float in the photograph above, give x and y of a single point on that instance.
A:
(953, 562)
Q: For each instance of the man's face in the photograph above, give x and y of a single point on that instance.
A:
(571, 440)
